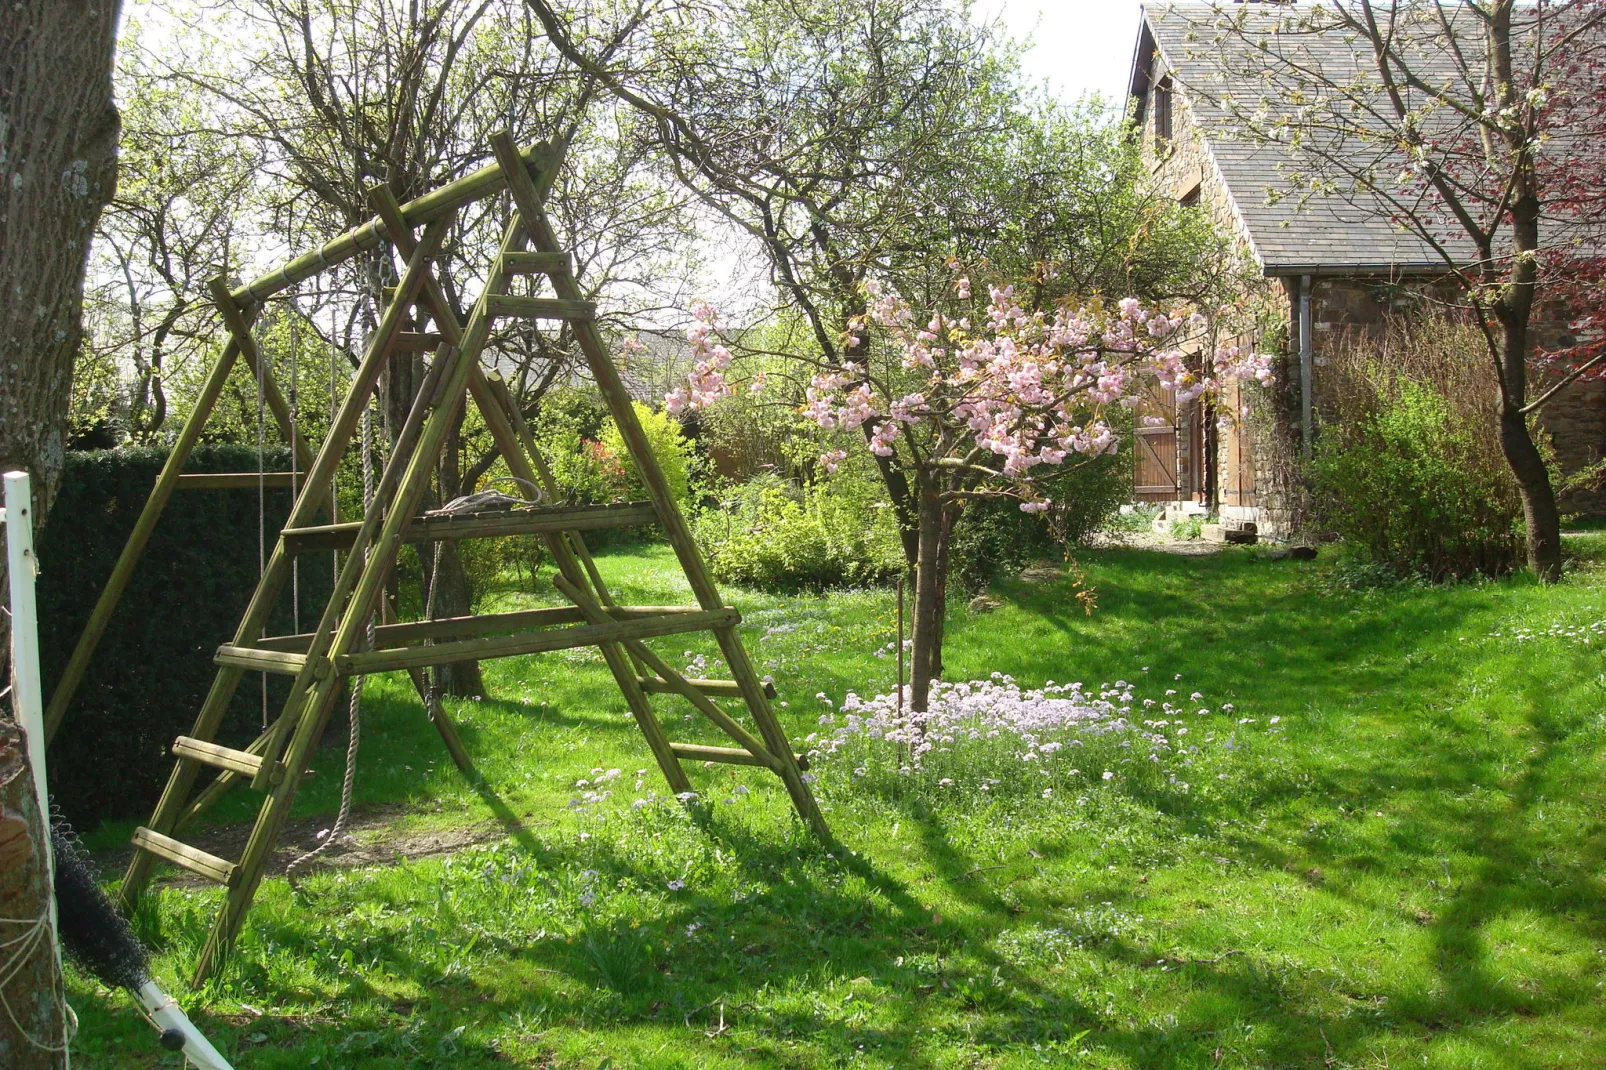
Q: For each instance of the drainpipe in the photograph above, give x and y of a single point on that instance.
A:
(1306, 353)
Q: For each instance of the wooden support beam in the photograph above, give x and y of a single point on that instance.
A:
(542, 308)
(501, 646)
(696, 752)
(392, 636)
(709, 688)
(414, 342)
(536, 263)
(432, 206)
(530, 520)
(252, 659)
(320, 478)
(236, 480)
(218, 757)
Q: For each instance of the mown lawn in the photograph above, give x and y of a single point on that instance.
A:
(1404, 869)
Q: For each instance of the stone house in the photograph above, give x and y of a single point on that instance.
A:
(1328, 263)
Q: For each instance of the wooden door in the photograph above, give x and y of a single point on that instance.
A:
(1154, 476)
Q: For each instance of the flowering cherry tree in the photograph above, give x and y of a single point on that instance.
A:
(984, 398)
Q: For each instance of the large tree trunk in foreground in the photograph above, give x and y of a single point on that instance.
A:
(58, 161)
(33, 992)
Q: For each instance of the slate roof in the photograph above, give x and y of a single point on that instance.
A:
(1347, 232)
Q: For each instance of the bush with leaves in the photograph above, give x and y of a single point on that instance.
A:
(1410, 485)
(677, 459)
(993, 537)
(775, 535)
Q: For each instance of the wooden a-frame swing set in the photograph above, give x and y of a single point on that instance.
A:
(340, 647)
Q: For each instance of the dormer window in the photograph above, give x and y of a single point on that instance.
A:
(1162, 110)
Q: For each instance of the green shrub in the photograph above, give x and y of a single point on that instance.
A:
(669, 444)
(779, 536)
(992, 537)
(1134, 519)
(1413, 486)
(1188, 527)
(588, 457)
(154, 665)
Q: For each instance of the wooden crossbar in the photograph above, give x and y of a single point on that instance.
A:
(193, 859)
(527, 263)
(391, 636)
(237, 480)
(534, 520)
(413, 342)
(696, 752)
(711, 688)
(501, 646)
(254, 660)
(432, 206)
(219, 757)
(543, 308)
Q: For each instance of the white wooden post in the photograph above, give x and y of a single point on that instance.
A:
(27, 695)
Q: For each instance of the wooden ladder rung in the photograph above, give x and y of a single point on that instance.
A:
(253, 659)
(219, 757)
(696, 752)
(502, 646)
(711, 688)
(236, 480)
(535, 263)
(193, 859)
(533, 520)
(541, 308)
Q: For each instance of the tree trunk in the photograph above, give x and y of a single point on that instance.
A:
(33, 992)
(925, 661)
(453, 599)
(58, 168)
(1542, 519)
(1515, 311)
(58, 162)
(454, 595)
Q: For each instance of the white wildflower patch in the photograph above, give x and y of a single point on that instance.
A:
(994, 737)
(1585, 633)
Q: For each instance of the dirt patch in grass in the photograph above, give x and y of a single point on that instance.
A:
(370, 839)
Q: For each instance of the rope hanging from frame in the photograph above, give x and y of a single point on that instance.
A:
(354, 705)
(262, 491)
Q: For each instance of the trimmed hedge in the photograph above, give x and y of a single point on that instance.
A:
(154, 664)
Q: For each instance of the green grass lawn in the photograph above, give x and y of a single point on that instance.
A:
(1404, 869)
